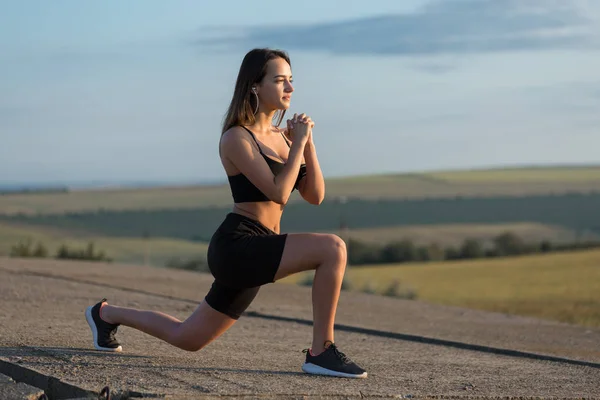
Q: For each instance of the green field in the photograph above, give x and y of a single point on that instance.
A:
(562, 286)
(123, 250)
(476, 183)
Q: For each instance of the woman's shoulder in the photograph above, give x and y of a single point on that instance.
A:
(235, 133)
(235, 138)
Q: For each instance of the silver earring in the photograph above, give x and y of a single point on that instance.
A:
(255, 111)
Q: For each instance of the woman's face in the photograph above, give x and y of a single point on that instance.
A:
(275, 90)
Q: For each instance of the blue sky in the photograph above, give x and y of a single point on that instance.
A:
(135, 91)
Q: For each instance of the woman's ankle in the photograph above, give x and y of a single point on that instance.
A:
(104, 312)
(319, 347)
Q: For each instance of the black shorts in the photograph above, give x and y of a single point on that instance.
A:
(243, 255)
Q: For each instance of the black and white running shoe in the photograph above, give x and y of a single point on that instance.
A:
(102, 331)
(332, 362)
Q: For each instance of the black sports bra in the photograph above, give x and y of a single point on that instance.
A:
(244, 191)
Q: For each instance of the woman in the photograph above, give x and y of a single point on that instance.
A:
(264, 164)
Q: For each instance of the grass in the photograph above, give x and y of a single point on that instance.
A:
(562, 286)
(124, 250)
(501, 182)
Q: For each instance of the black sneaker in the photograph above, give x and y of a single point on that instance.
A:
(332, 362)
(103, 332)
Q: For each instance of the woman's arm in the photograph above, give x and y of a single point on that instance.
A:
(312, 185)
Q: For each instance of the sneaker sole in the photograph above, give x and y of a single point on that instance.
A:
(316, 370)
(90, 321)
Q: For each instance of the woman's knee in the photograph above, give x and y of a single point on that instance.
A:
(193, 346)
(186, 342)
(201, 328)
(336, 248)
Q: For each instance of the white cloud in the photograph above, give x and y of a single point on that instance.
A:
(441, 27)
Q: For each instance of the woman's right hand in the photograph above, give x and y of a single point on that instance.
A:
(299, 128)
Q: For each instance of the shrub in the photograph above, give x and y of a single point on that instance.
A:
(396, 289)
(369, 288)
(25, 249)
(346, 284)
(196, 264)
(307, 280)
(87, 254)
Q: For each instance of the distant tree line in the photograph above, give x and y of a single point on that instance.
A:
(506, 244)
(27, 249)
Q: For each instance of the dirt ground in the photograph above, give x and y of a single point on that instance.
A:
(411, 349)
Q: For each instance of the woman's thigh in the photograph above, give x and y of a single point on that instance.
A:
(306, 251)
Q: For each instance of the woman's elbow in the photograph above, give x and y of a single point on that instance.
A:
(315, 199)
(279, 198)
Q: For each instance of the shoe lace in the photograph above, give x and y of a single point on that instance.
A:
(345, 359)
(112, 333)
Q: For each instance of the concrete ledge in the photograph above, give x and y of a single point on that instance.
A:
(11, 390)
(35, 384)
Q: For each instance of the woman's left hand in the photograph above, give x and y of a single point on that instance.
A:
(301, 119)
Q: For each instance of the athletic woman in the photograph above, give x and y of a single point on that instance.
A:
(264, 165)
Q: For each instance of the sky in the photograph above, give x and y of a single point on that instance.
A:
(113, 91)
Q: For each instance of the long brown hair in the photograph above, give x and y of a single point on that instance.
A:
(252, 71)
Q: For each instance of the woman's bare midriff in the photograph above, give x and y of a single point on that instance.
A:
(267, 213)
